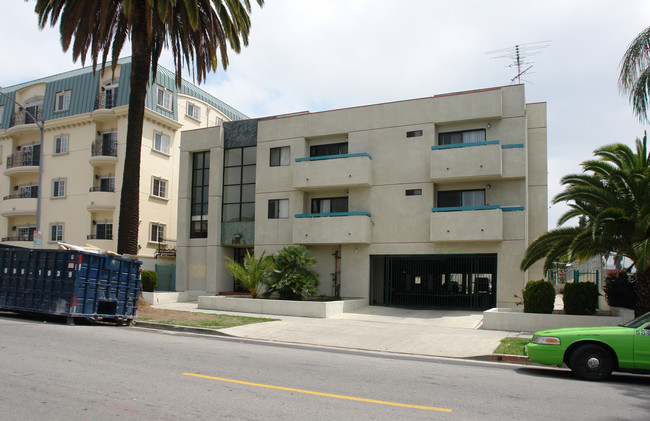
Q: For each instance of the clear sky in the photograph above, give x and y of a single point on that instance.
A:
(324, 54)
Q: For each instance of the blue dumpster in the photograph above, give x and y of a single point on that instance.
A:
(69, 283)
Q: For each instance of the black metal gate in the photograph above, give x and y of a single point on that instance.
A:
(440, 281)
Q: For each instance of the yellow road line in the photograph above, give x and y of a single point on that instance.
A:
(329, 395)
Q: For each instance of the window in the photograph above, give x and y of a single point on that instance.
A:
(329, 205)
(193, 111)
(280, 156)
(164, 98)
(107, 184)
(29, 191)
(26, 233)
(239, 184)
(110, 94)
(56, 232)
(62, 101)
(31, 155)
(467, 136)
(200, 189)
(58, 188)
(330, 149)
(161, 143)
(278, 208)
(61, 144)
(157, 233)
(2, 110)
(159, 188)
(458, 198)
(414, 133)
(33, 110)
(104, 231)
(414, 192)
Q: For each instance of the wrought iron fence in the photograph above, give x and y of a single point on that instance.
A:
(101, 147)
(23, 159)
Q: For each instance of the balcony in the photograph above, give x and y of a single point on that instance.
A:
(22, 163)
(475, 223)
(22, 123)
(18, 205)
(103, 152)
(101, 199)
(104, 104)
(474, 161)
(324, 172)
(332, 228)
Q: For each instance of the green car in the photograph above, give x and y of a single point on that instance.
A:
(592, 353)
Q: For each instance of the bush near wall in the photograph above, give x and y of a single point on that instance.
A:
(619, 290)
(149, 280)
(539, 297)
(580, 298)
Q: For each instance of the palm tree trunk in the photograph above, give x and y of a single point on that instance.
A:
(127, 240)
(642, 292)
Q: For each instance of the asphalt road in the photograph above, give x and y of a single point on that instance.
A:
(101, 372)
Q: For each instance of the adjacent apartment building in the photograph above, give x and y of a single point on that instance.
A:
(62, 144)
(428, 202)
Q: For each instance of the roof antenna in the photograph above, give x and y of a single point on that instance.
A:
(518, 54)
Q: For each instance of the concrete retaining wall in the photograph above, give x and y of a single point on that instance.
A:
(318, 309)
(154, 298)
(515, 320)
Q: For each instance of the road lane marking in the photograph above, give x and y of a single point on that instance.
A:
(329, 395)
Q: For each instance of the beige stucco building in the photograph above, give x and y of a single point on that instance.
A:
(426, 202)
(70, 180)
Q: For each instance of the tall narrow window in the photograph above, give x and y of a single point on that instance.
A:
(278, 208)
(466, 136)
(111, 90)
(200, 185)
(61, 144)
(58, 188)
(239, 184)
(159, 188)
(280, 156)
(62, 101)
(56, 232)
(161, 143)
(164, 98)
(157, 233)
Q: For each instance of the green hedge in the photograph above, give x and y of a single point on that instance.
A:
(619, 290)
(580, 298)
(149, 280)
(539, 297)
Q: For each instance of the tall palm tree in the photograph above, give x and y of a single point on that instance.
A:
(612, 198)
(198, 32)
(634, 79)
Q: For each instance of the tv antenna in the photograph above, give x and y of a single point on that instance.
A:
(518, 55)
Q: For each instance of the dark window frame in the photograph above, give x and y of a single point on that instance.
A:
(275, 156)
(274, 209)
(199, 203)
(337, 204)
(454, 198)
(456, 137)
(328, 149)
(414, 133)
(245, 162)
(413, 192)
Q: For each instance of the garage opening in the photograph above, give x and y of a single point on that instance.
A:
(434, 281)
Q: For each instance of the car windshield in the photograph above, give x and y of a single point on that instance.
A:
(639, 321)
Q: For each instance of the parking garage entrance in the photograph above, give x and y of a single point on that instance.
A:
(434, 281)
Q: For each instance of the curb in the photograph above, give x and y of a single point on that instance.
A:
(177, 328)
(506, 358)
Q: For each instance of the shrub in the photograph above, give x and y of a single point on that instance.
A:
(149, 280)
(253, 273)
(291, 278)
(539, 297)
(580, 298)
(619, 290)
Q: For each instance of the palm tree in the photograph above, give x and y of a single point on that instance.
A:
(253, 273)
(612, 196)
(198, 33)
(291, 277)
(634, 79)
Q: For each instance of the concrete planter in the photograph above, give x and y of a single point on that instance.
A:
(318, 309)
(515, 320)
(154, 298)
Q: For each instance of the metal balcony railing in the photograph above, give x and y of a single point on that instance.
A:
(106, 99)
(23, 117)
(166, 248)
(107, 189)
(99, 237)
(33, 194)
(23, 159)
(101, 147)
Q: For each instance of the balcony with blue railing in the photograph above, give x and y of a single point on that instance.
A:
(477, 223)
(332, 171)
(332, 228)
(477, 160)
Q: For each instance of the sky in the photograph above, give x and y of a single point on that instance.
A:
(314, 55)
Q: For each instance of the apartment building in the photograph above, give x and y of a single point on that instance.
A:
(62, 145)
(428, 202)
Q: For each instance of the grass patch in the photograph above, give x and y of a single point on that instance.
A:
(512, 346)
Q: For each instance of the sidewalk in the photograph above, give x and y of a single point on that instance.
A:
(442, 333)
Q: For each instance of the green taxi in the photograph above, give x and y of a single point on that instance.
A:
(592, 353)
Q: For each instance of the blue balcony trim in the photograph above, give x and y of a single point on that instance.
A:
(484, 207)
(464, 145)
(320, 158)
(320, 215)
(513, 146)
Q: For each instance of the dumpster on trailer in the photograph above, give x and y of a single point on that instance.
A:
(69, 283)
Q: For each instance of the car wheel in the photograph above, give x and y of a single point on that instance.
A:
(591, 362)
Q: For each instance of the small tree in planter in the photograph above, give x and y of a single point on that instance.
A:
(291, 278)
(539, 297)
(149, 280)
(580, 298)
(253, 274)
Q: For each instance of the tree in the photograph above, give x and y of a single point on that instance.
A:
(612, 195)
(291, 277)
(634, 79)
(198, 33)
(253, 273)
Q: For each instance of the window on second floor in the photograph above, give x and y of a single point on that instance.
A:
(278, 208)
(60, 144)
(104, 231)
(193, 111)
(239, 184)
(329, 149)
(157, 233)
(280, 156)
(107, 184)
(29, 191)
(465, 136)
(164, 98)
(461, 198)
(62, 101)
(329, 205)
(56, 232)
(159, 188)
(161, 143)
(58, 188)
